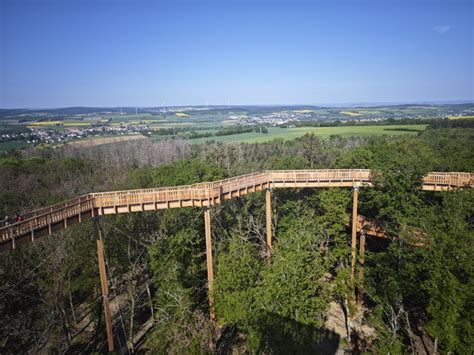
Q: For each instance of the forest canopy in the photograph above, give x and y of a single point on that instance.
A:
(415, 298)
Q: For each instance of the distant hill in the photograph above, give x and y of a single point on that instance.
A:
(390, 110)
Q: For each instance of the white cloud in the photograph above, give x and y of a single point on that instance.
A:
(441, 29)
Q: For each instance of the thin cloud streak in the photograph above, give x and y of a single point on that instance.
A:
(441, 29)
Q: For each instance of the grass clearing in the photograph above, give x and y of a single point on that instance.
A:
(322, 132)
(181, 114)
(178, 124)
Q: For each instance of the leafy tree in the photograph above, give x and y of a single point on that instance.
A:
(450, 269)
(293, 294)
(179, 173)
(237, 275)
(311, 148)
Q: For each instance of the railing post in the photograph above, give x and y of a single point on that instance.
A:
(361, 269)
(32, 225)
(268, 213)
(103, 282)
(12, 236)
(354, 241)
(210, 273)
(50, 221)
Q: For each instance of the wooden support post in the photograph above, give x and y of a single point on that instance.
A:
(268, 212)
(354, 241)
(210, 273)
(361, 268)
(103, 282)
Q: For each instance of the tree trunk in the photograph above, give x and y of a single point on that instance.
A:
(71, 304)
(150, 300)
(410, 333)
(65, 324)
(347, 319)
(132, 314)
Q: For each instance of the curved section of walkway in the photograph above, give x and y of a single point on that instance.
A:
(46, 221)
(447, 181)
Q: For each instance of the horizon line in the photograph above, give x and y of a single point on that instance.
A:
(326, 104)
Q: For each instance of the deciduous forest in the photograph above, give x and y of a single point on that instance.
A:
(415, 298)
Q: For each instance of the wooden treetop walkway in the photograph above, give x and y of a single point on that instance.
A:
(46, 221)
(447, 181)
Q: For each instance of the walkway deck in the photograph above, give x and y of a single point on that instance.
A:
(46, 221)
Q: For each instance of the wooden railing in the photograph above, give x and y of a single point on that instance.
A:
(213, 190)
(56, 207)
(46, 218)
(200, 194)
(443, 181)
(327, 175)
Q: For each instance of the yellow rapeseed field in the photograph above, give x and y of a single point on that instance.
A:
(75, 124)
(351, 113)
(45, 123)
(459, 117)
(303, 111)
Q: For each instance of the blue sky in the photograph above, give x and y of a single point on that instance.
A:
(146, 53)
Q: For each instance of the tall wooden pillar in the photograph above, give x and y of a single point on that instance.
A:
(361, 268)
(210, 273)
(103, 283)
(268, 212)
(354, 241)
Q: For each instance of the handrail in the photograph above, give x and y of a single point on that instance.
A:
(456, 179)
(43, 217)
(39, 220)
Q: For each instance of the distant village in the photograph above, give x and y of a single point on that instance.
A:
(45, 135)
(280, 118)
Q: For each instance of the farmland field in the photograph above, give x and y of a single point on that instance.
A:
(104, 140)
(460, 117)
(12, 145)
(351, 113)
(323, 132)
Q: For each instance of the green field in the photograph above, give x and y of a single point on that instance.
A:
(12, 145)
(323, 132)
